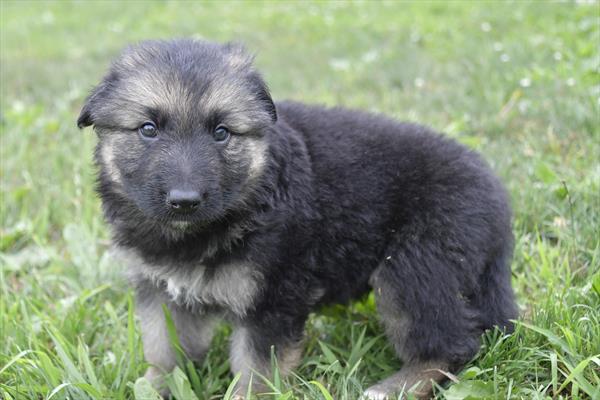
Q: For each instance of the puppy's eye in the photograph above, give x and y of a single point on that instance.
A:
(221, 133)
(148, 130)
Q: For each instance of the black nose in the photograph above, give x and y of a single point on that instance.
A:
(183, 201)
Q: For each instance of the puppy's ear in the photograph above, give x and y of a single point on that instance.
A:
(86, 116)
(264, 96)
(238, 57)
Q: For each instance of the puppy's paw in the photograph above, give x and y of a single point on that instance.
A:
(376, 393)
(157, 378)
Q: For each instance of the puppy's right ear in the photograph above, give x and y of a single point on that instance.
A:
(86, 116)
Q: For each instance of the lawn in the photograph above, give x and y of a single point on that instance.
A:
(516, 81)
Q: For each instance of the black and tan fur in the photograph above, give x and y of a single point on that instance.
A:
(299, 207)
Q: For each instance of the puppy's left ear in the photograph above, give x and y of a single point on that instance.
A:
(264, 96)
(267, 100)
(239, 58)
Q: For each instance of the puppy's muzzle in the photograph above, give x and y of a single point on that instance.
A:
(183, 201)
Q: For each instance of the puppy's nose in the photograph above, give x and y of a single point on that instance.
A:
(183, 201)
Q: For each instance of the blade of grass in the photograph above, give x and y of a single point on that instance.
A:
(322, 389)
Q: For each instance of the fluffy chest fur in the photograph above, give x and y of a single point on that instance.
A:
(232, 286)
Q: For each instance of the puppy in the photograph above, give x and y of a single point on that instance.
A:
(229, 206)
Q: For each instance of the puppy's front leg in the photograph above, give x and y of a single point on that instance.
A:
(251, 352)
(193, 330)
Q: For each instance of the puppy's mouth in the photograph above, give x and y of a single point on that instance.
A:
(181, 225)
(190, 220)
(185, 223)
(196, 216)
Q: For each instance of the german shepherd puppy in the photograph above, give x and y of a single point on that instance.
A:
(230, 206)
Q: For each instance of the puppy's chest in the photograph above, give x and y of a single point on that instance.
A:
(233, 286)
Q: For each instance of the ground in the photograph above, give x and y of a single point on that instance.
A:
(516, 81)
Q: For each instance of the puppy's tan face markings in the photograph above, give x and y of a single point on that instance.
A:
(186, 104)
(224, 93)
(107, 160)
(258, 149)
(117, 155)
(241, 111)
(249, 152)
(146, 91)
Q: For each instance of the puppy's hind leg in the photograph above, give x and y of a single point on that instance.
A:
(415, 377)
(431, 328)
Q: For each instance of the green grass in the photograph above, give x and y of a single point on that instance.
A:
(517, 81)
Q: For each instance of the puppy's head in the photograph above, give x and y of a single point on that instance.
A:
(182, 129)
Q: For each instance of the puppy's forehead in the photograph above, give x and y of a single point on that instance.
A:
(190, 82)
(189, 54)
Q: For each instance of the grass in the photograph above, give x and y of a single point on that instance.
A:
(516, 81)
